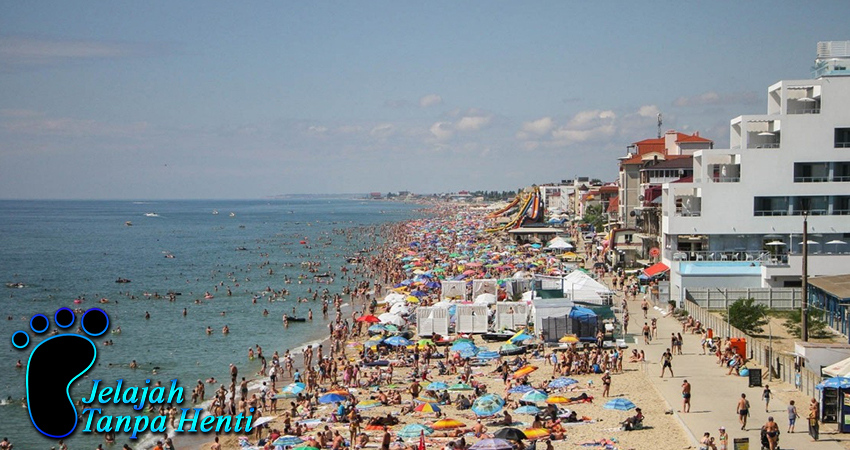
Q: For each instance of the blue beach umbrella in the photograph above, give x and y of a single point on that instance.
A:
(562, 382)
(622, 404)
(414, 430)
(835, 383)
(283, 441)
(528, 409)
(331, 398)
(488, 355)
(460, 346)
(488, 405)
(521, 389)
(437, 386)
(468, 352)
(377, 328)
(398, 341)
(492, 444)
(535, 396)
(294, 388)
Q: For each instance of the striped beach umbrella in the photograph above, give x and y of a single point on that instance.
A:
(562, 382)
(427, 408)
(368, 404)
(536, 433)
(622, 404)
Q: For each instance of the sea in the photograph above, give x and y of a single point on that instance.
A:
(71, 253)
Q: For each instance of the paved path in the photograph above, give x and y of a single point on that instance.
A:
(715, 394)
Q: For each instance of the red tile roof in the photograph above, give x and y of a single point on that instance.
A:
(613, 204)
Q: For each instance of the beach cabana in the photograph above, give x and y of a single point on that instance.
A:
(453, 289)
(431, 321)
(555, 317)
(510, 315)
(471, 319)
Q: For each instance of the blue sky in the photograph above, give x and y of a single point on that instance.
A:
(223, 99)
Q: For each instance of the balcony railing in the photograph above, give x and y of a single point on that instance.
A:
(725, 179)
(682, 212)
(804, 111)
(842, 145)
(765, 145)
(731, 255)
(770, 212)
(811, 179)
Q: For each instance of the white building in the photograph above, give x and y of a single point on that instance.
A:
(745, 205)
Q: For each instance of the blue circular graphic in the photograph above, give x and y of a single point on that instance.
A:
(39, 323)
(20, 339)
(97, 323)
(65, 319)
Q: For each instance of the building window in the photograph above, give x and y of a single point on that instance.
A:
(842, 138)
(770, 206)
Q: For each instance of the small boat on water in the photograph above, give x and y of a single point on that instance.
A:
(151, 214)
(122, 280)
(232, 214)
(16, 285)
(215, 212)
(128, 223)
(294, 319)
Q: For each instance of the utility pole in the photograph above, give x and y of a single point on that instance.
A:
(804, 313)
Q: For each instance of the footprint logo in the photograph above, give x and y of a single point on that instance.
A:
(54, 364)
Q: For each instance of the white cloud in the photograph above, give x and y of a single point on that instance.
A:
(317, 129)
(430, 100)
(383, 130)
(349, 129)
(590, 119)
(442, 130)
(648, 111)
(472, 123)
(539, 126)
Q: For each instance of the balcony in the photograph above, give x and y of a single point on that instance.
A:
(724, 173)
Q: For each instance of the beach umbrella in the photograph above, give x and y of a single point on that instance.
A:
(262, 421)
(535, 396)
(488, 355)
(621, 404)
(461, 387)
(524, 371)
(487, 405)
(569, 339)
(368, 404)
(557, 399)
(836, 243)
(521, 389)
(390, 318)
(294, 388)
(446, 424)
(427, 399)
(835, 383)
(400, 309)
(536, 433)
(427, 408)
(468, 352)
(414, 430)
(491, 444)
(397, 341)
(331, 398)
(287, 440)
(460, 346)
(368, 318)
(511, 434)
(377, 328)
(437, 386)
(425, 342)
(528, 409)
(562, 382)
(509, 349)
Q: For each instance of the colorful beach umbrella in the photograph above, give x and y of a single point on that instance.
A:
(622, 404)
(461, 387)
(569, 339)
(436, 386)
(331, 398)
(368, 318)
(427, 408)
(447, 424)
(368, 404)
(536, 433)
(535, 396)
(487, 405)
(460, 346)
(557, 399)
(487, 355)
(491, 444)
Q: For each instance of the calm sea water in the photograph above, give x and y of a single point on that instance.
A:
(67, 250)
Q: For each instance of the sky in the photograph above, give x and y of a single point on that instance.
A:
(224, 99)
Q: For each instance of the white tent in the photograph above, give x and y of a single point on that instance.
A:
(393, 319)
(579, 286)
(399, 309)
(392, 298)
(485, 299)
(559, 243)
(839, 369)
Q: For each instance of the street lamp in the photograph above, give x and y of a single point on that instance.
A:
(769, 348)
(804, 303)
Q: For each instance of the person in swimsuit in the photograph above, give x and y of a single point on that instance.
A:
(743, 410)
(667, 363)
(686, 396)
(771, 429)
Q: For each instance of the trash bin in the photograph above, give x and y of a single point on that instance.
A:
(739, 346)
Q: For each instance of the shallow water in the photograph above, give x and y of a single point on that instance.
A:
(67, 250)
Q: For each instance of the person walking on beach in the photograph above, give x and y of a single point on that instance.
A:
(606, 383)
(723, 439)
(792, 416)
(646, 333)
(644, 305)
(686, 396)
(771, 429)
(667, 363)
(385, 442)
(743, 410)
(766, 395)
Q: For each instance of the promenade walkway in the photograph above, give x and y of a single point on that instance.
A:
(715, 395)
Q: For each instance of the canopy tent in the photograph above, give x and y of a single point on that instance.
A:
(839, 369)
(655, 269)
(555, 318)
(559, 243)
(579, 286)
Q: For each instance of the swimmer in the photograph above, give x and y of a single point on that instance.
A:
(184, 312)
(225, 330)
(147, 315)
(134, 364)
(209, 330)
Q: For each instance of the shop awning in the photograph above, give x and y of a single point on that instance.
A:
(655, 269)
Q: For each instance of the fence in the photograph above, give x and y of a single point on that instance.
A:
(721, 298)
(782, 367)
